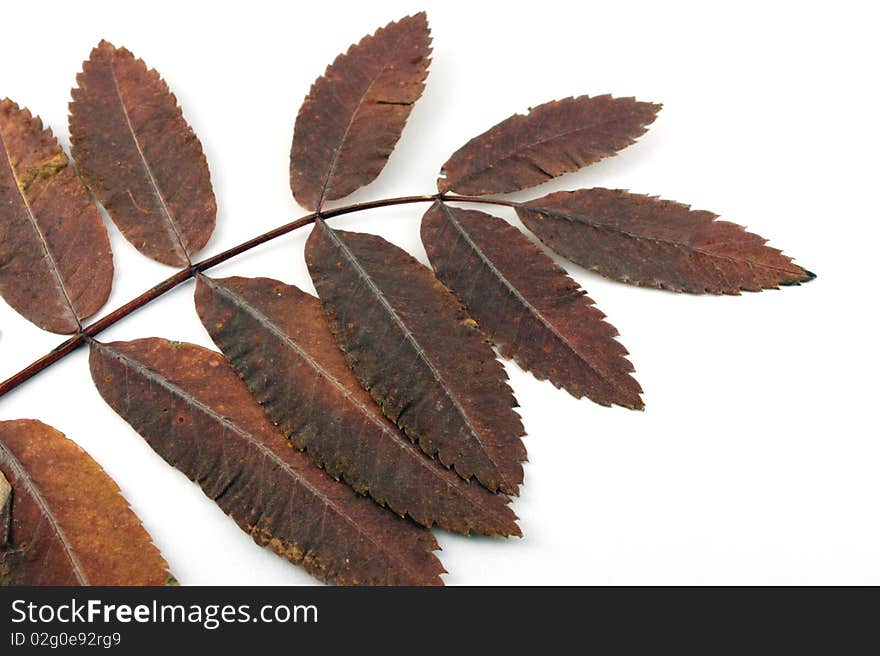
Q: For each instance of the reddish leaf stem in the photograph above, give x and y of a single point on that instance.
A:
(93, 329)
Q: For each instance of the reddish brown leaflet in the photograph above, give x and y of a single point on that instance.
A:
(49, 229)
(65, 522)
(552, 139)
(191, 407)
(657, 243)
(530, 308)
(411, 344)
(313, 397)
(355, 113)
(139, 156)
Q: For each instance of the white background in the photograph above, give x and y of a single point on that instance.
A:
(757, 458)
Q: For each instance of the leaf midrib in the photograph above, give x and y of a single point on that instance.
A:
(331, 169)
(21, 474)
(535, 312)
(402, 443)
(578, 218)
(249, 438)
(519, 149)
(169, 219)
(41, 237)
(408, 335)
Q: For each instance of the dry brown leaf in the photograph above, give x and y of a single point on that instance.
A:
(554, 138)
(139, 156)
(65, 521)
(195, 412)
(530, 308)
(413, 347)
(355, 113)
(276, 337)
(56, 268)
(657, 243)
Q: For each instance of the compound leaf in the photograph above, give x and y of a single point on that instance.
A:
(140, 157)
(531, 309)
(355, 113)
(63, 521)
(276, 337)
(413, 347)
(56, 267)
(195, 412)
(554, 138)
(657, 243)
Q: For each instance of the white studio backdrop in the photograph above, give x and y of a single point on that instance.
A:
(756, 460)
